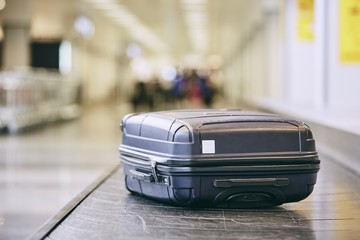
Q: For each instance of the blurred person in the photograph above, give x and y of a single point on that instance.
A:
(151, 95)
(207, 88)
(179, 87)
(199, 92)
(155, 93)
(194, 89)
(141, 97)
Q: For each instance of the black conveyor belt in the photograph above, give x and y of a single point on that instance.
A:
(108, 211)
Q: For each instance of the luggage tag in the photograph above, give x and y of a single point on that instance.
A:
(208, 146)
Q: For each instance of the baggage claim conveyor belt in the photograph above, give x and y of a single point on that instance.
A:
(106, 210)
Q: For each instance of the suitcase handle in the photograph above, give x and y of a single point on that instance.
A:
(246, 182)
(142, 176)
(148, 177)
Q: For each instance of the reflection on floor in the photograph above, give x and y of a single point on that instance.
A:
(41, 171)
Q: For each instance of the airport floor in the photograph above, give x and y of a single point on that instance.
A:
(73, 167)
(42, 169)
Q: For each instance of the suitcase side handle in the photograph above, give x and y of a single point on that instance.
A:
(149, 177)
(246, 182)
(142, 176)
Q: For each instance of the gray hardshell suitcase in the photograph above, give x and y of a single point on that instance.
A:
(219, 158)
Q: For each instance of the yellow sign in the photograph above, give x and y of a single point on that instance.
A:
(305, 19)
(349, 31)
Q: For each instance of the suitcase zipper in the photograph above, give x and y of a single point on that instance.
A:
(310, 157)
(153, 170)
(158, 178)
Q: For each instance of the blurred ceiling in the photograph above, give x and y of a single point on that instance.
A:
(175, 28)
(180, 27)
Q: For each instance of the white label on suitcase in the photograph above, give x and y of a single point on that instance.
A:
(208, 146)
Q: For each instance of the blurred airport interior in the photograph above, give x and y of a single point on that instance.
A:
(79, 59)
(302, 53)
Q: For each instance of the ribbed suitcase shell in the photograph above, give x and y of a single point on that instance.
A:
(218, 158)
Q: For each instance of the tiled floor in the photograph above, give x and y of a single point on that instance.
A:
(41, 171)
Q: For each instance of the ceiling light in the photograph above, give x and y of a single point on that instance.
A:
(120, 15)
(2, 4)
(196, 19)
(84, 26)
(133, 50)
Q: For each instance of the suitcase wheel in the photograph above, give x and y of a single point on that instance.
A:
(248, 198)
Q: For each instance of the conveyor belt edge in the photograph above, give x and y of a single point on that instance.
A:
(53, 222)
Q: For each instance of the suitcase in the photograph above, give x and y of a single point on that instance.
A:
(218, 158)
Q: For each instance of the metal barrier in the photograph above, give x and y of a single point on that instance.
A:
(33, 97)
